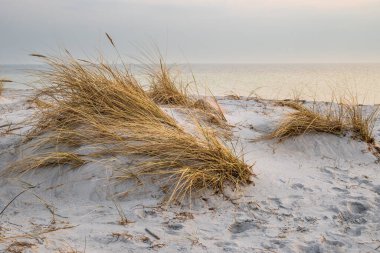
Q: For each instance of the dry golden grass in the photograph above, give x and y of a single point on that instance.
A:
(361, 121)
(189, 162)
(100, 105)
(46, 160)
(36, 233)
(362, 125)
(233, 96)
(90, 94)
(334, 118)
(19, 246)
(165, 89)
(294, 104)
(39, 103)
(2, 81)
(308, 120)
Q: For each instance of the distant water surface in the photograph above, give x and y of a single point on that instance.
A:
(272, 81)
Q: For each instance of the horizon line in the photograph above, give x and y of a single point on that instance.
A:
(224, 63)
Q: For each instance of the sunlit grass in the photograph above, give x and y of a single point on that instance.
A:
(343, 116)
(98, 104)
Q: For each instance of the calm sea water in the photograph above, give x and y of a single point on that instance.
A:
(312, 81)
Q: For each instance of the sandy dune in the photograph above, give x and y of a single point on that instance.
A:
(314, 193)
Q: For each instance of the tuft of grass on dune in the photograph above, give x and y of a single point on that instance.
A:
(100, 105)
(294, 104)
(361, 122)
(2, 81)
(166, 89)
(189, 163)
(347, 115)
(310, 120)
(94, 94)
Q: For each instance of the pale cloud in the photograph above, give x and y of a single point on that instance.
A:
(254, 4)
(200, 30)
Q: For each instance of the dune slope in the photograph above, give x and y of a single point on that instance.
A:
(314, 193)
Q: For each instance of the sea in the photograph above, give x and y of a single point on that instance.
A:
(321, 82)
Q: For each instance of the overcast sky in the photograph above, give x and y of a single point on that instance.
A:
(206, 31)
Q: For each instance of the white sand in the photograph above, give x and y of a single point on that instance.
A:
(314, 193)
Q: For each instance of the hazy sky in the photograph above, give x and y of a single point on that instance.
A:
(196, 30)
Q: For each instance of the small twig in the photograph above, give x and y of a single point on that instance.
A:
(123, 218)
(152, 234)
(6, 206)
(6, 125)
(12, 129)
(34, 235)
(50, 207)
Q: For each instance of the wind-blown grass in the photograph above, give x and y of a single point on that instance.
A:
(103, 106)
(48, 159)
(92, 94)
(361, 121)
(336, 118)
(165, 89)
(310, 120)
(190, 162)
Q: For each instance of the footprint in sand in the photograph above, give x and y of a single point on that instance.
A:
(299, 186)
(356, 207)
(242, 226)
(341, 190)
(227, 246)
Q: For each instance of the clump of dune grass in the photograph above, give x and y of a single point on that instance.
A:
(2, 81)
(294, 104)
(362, 122)
(166, 89)
(103, 106)
(93, 94)
(310, 120)
(362, 125)
(347, 115)
(191, 163)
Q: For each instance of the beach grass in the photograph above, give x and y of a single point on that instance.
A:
(361, 122)
(2, 81)
(47, 159)
(310, 120)
(345, 115)
(166, 89)
(98, 104)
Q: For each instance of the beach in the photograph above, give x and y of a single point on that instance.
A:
(311, 193)
(189, 126)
